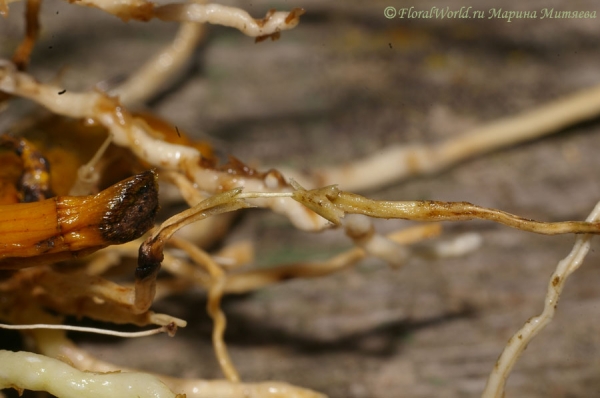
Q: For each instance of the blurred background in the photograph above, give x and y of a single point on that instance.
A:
(342, 85)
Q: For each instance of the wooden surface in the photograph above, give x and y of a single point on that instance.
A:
(344, 84)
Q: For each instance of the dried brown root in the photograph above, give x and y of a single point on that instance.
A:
(32, 30)
(78, 294)
(22, 54)
(247, 281)
(215, 294)
(151, 251)
(4, 8)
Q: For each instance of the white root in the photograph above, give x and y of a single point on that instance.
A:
(126, 130)
(226, 389)
(217, 14)
(361, 230)
(519, 341)
(300, 216)
(83, 329)
(88, 175)
(457, 247)
(235, 255)
(392, 164)
(272, 24)
(27, 371)
(135, 134)
(162, 68)
(124, 9)
(55, 344)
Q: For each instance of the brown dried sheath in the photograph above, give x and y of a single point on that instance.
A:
(69, 226)
(34, 184)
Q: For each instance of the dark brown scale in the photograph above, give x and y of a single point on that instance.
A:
(132, 211)
(149, 260)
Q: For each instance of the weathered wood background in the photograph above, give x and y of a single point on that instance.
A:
(344, 84)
